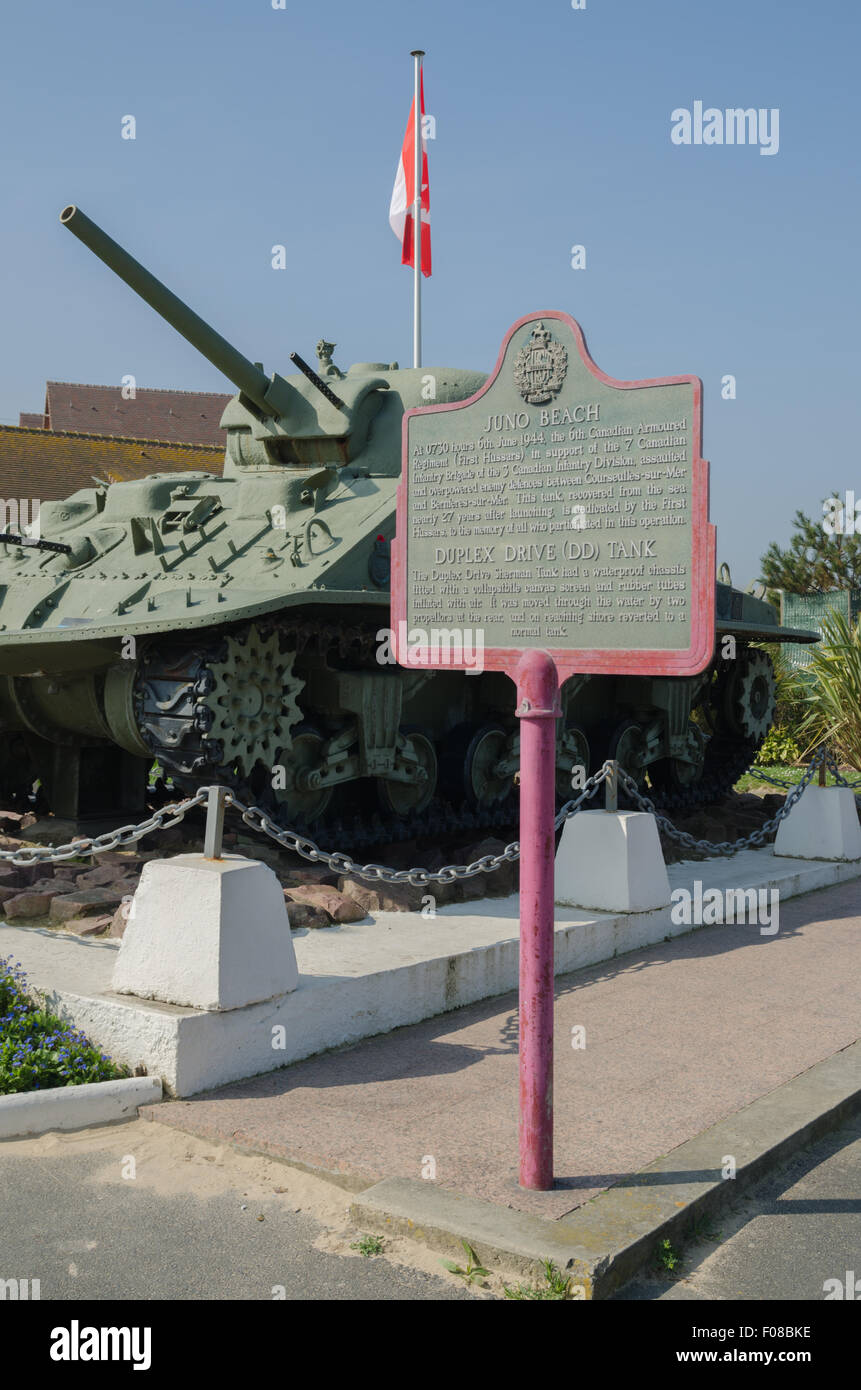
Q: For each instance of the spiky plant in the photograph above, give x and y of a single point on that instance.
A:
(829, 689)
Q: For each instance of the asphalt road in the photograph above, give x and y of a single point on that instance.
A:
(798, 1229)
(186, 1226)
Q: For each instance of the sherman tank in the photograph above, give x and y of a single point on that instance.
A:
(226, 627)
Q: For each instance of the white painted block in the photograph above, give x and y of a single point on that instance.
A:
(210, 933)
(611, 861)
(822, 825)
(76, 1107)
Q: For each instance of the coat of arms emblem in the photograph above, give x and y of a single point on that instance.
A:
(540, 367)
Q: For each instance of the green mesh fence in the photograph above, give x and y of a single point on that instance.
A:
(810, 611)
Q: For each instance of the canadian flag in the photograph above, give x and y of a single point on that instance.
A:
(403, 193)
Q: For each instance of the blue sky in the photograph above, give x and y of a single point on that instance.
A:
(258, 126)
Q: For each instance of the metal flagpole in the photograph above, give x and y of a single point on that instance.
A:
(417, 55)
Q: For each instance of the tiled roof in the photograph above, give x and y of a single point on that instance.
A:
(180, 417)
(42, 464)
(33, 422)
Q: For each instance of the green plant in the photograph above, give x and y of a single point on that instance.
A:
(368, 1245)
(789, 710)
(778, 747)
(666, 1257)
(37, 1050)
(814, 562)
(829, 690)
(556, 1287)
(474, 1271)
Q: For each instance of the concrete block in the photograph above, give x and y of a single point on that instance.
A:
(76, 1107)
(823, 825)
(611, 861)
(210, 933)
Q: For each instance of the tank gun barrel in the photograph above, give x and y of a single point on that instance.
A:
(250, 380)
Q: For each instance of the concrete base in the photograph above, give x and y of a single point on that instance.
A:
(76, 1107)
(612, 861)
(823, 825)
(212, 933)
(363, 978)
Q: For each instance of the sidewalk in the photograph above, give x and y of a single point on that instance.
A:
(679, 1036)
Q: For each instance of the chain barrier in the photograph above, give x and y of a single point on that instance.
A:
(257, 819)
(726, 847)
(837, 774)
(784, 784)
(772, 781)
(83, 847)
(419, 878)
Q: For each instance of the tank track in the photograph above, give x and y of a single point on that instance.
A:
(725, 761)
(172, 714)
(174, 683)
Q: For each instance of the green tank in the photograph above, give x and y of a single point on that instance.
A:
(226, 627)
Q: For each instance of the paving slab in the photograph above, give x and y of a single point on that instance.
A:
(679, 1037)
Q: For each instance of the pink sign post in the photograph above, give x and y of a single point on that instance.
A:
(560, 516)
(538, 709)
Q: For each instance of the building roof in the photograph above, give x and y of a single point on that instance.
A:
(33, 422)
(180, 417)
(38, 463)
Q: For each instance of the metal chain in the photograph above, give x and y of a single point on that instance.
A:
(381, 873)
(126, 835)
(841, 781)
(258, 820)
(782, 782)
(772, 781)
(725, 847)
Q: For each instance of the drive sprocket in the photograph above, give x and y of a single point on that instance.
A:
(253, 700)
(750, 696)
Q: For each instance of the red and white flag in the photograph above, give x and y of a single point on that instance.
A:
(403, 194)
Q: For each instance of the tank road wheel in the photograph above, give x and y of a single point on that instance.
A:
(469, 765)
(296, 801)
(469, 761)
(483, 786)
(410, 798)
(628, 747)
(572, 750)
(675, 774)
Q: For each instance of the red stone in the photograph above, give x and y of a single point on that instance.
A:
(338, 907)
(84, 902)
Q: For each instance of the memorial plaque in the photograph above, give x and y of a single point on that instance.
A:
(557, 509)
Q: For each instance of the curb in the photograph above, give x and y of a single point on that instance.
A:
(606, 1242)
(75, 1107)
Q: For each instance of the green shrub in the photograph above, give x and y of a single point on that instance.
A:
(829, 691)
(780, 747)
(38, 1050)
